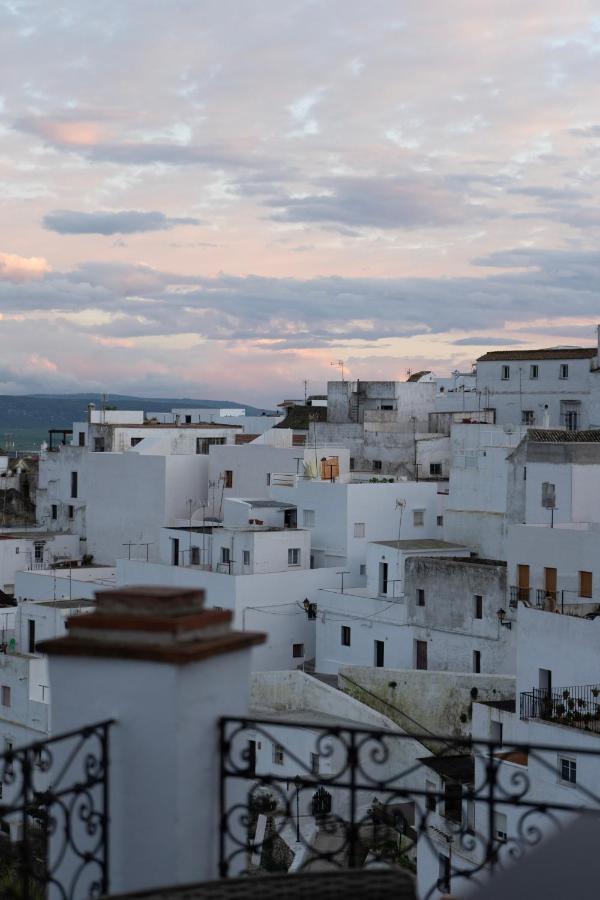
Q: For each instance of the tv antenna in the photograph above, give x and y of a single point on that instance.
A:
(340, 364)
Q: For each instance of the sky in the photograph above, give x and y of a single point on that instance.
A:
(222, 198)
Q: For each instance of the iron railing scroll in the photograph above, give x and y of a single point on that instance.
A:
(453, 810)
(54, 815)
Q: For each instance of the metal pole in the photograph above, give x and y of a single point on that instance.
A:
(298, 809)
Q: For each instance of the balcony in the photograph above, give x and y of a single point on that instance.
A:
(518, 593)
(576, 706)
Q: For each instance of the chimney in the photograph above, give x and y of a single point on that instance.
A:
(165, 669)
(91, 408)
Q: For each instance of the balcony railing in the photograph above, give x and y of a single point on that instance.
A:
(576, 706)
(347, 798)
(58, 788)
(519, 593)
(546, 599)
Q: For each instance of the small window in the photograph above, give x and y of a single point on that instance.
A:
(453, 801)
(421, 655)
(478, 606)
(98, 445)
(352, 464)
(298, 651)
(308, 518)
(5, 695)
(195, 556)
(443, 874)
(440, 521)
(564, 371)
(585, 584)
(377, 465)
(71, 512)
(38, 551)
(548, 495)
(294, 556)
(268, 479)
(135, 441)
(420, 597)
(74, 484)
(359, 529)
(246, 557)
(228, 478)
(54, 511)
(496, 733)
(477, 661)
(363, 569)
(567, 768)
(277, 755)
(225, 555)
(345, 636)
(188, 420)
(435, 468)
(314, 763)
(534, 372)
(418, 518)
(528, 417)
(505, 373)
(82, 438)
(31, 635)
(500, 827)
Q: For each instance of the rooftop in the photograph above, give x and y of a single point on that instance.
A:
(559, 436)
(546, 353)
(300, 417)
(420, 544)
(416, 376)
(66, 604)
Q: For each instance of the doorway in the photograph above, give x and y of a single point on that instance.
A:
(383, 577)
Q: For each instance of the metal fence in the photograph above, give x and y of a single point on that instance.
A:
(577, 706)
(54, 814)
(296, 796)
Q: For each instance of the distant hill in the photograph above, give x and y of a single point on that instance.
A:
(26, 418)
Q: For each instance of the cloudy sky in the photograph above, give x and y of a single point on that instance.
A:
(218, 198)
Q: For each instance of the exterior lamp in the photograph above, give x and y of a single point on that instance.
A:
(507, 623)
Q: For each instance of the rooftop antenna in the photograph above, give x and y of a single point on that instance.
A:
(340, 364)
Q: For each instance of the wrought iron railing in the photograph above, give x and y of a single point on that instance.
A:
(546, 599)
(576, 706)
(296, 796)
(519, 593)
(54, 813)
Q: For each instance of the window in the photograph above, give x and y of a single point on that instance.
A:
(246, 557)
(54, 511)
(225, 555)
(74, 479)
(188, 420)
(435, 468)
(363, 569)
(496, 732)
(567, 768)
(377, 465)
(99, 445)
(564, 371)
(314, 763)
(82, 438)
(470, 810)
(268, 479)
(418, 518)
(359, 529)
(38, 551)
(430, 800)
(135, 441)
(585, 584)
(534, 372)
(505, 373)
(277, 755)
(477, 661)
(345, 636)
(195, 556)
(500, 827)
(202, 444)
(5, 694)
(453, 801)
(31, 635)
(308, 518)
(298, 651)
(548, 495)
(420, 597)
(71, 512)
(528, 417)
(443, 874)
(440, 521)
(294, 556)
(228, 478)
(478, 606)
(352, 464)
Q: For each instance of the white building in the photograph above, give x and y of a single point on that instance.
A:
(34, 549)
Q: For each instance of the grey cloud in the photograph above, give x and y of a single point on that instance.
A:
(124, 222)
(592, 131)
(486, 341)
(379, 202)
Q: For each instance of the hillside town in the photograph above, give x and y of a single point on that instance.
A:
(349, 620)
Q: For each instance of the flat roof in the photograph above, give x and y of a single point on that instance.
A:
(421, 544)
(267, 504)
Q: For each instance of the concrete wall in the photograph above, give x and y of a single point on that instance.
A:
(436, 702)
